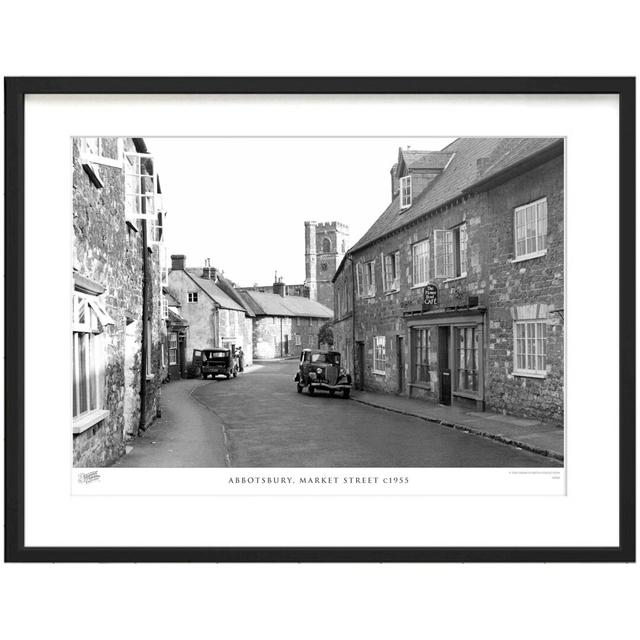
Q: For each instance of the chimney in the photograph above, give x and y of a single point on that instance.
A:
(209, 272)
(178, 262)
(394, 181)
(279, 288)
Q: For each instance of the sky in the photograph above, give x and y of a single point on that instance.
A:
(242, 202)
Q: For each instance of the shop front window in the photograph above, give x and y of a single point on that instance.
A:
(467, 351)
(421, 342)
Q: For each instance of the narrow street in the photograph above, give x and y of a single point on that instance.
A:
(258, 420)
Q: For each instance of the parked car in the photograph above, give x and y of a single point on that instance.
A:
(322, 370)
(215, 362)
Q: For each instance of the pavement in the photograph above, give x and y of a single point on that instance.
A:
(528, 434)
(187, 435)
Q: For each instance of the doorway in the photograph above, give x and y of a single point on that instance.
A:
(400, 362)
(444, 366)
(360, 365)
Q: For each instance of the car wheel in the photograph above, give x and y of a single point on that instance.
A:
(299, 386)
(346, 393)
(228, 376)
(235, 374)
(204, 377)
(311, 391)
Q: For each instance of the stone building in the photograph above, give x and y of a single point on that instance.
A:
(456, 293)
(118, 331)
(214, 311)
(284, 325)
(325, 246)
(177, 329)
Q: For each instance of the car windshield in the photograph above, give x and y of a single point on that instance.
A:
(331, 358)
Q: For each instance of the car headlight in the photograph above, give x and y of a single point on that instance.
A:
(318, 370)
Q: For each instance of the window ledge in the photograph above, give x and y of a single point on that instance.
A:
(530, 256)
(421, 385)
(391, 292)
(530, 374)
(109, 162)
(462, 277)
(420, 285)
(467, 394)
(86, 421)
(151, 376)
(378, 372)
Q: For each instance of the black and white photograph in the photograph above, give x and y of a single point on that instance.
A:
(318, 302)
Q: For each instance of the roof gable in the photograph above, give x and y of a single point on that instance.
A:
(470, 160)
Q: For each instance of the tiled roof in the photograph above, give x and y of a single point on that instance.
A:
(473, 159)
(272, 304)
(174, 302)
(415, 159)
(213, 290)
(228, 287)
(176, 319)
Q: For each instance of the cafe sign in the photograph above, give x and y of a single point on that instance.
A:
(430, 295)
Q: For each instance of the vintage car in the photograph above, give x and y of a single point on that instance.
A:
(322, 370)
(216, 362)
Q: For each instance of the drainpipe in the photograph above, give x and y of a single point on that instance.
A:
(145, 305)
(353, 313)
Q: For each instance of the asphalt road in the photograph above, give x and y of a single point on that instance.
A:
(262, 421)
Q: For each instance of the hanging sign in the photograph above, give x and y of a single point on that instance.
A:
(430, 295)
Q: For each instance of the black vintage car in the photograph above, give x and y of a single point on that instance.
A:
(216, 362)
(322, 370)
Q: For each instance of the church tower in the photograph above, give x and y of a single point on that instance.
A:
(325, 246)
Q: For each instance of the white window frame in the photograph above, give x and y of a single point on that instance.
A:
(406, 194)
(173, 348)
(450, 252)
(379, 364)
(366, 278)
(540, 338)
(391, 285)
(192, 297)
(298, 339)
(415, 262)
(164, 307)
(90, 156)
(539, 210)
(133, 176)
(89, 319)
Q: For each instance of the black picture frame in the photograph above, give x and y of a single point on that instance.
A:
(15, 91)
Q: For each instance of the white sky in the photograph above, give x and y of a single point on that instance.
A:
(242, 202)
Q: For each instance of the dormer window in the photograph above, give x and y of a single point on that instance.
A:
(405, 192)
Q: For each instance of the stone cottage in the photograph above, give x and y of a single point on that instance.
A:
(118, 332)
(284, 325)
(456, 293)
(214, 311)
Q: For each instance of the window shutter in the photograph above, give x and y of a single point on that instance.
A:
(359, 279)
(439, 252)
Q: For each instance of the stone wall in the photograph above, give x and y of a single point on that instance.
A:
(492, 280)
(513, 285)
(270, 333)
(110, 252)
